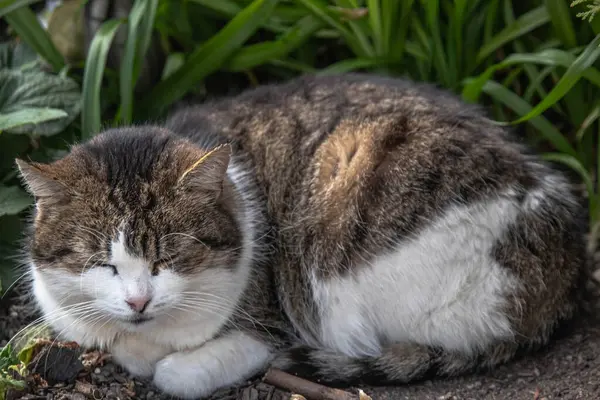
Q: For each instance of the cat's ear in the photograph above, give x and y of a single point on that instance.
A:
(40, 181)
(208, 172)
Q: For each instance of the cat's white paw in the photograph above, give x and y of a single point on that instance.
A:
(178, 375)
(136, 355)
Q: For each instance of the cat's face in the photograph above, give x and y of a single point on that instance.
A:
(136, 225)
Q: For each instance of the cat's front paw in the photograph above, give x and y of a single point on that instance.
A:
(137, 355)
(178, 375)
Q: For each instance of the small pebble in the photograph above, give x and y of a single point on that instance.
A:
(97, 371)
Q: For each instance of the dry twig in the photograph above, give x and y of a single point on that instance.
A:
(308, 389)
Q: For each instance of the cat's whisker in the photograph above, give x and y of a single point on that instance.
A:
(16, 281)
(54, 316)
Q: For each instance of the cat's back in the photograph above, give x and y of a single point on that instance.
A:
(409, 214)
(312, 123)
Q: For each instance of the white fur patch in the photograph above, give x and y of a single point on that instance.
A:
(441, 289)
(219, 363)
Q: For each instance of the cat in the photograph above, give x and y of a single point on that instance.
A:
(347, 228)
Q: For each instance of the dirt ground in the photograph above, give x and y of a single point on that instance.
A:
(567, 369)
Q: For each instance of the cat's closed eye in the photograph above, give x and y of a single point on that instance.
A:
(111, 267)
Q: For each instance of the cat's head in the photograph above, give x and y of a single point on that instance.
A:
(137, 224)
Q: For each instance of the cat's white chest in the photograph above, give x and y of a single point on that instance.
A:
(443, 288)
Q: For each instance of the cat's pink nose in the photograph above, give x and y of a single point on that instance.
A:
(138, 304)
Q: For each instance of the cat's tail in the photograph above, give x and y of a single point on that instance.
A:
(401, 363)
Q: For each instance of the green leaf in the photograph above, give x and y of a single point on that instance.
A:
(376, 23)
(39, 90)
(257, 54)
(228, 8)
(91, 116)
(550, 57)
(27, 26)
(352, 64)
(7, 6)
(319, 9)
(18, 56)
(13, 200)
(585, 60)
(524, 24)
(576, 166)
(560, 17)
(173, 63)
(30, 115)
(521, 107)
(139, 34)
(209, 57)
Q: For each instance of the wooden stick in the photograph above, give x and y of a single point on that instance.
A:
(311, 390)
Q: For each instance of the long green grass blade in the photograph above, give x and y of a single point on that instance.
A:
(320, 10)
(396, 26)
(575, 72)
(209, 57)
(228, 8)
(536, 83)
(27, 26)
(350, 65)
(524, 24)
(7, 6)
(139, 32)
(376, 23)
(560, 17)
(554, 58)
(576, 166)
(589, 120)
(254, 55)
(521, 107)
(91, 116)
(349, 11)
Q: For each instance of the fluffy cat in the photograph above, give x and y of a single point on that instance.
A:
(350, 228)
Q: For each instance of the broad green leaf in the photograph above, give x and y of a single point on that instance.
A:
(91, 115)
(575, 72)
(27, 26)
(13, 200)
(209, 57)
(139, 32)
(39, 90)
(521, 107)
(28, 116)
(7, 6)
(254, 55)
(18, 56)
(524, 24)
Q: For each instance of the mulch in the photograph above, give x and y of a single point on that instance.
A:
(567, 369)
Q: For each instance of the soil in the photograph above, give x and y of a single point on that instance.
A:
(569, 368)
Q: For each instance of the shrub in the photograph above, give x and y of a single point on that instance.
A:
(526, 61)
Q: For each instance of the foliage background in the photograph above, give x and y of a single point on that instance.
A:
(63, 78)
